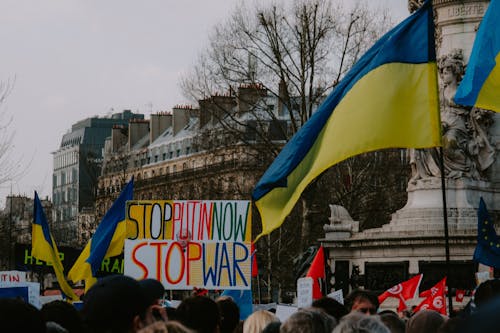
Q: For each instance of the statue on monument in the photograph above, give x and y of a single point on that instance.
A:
(467, 151)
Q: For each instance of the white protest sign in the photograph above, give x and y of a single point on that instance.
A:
(285, 311)
(337, 295)
(33, 291)
(304, 292)
(190, 243)
(12, 276)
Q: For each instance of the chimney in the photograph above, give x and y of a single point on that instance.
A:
(181, 116)
(119, 137)
(248, 96)
(214, 108)
(137, 129)
(159, 123)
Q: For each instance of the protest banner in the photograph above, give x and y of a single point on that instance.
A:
(189, 243)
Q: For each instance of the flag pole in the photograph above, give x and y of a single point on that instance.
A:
(443, 180)
(446, 234)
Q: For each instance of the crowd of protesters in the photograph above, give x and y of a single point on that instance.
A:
(118, 304)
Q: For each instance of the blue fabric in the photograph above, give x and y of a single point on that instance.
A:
(243, 298)
(104, 233)
(488, 246)
(41, 220)
(398, 45)
(482, 59)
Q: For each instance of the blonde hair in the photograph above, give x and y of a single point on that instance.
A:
(258, 320)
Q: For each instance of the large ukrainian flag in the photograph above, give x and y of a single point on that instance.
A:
(44, 247)
(480, 86)
(107, 241)
(388, 99)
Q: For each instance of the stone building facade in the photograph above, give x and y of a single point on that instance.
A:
(77, 164)
(209, 152)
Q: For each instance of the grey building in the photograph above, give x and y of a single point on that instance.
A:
(77, 165)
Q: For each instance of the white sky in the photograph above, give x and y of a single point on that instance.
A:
(74, 59)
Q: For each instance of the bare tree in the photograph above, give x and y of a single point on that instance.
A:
(9, 165)
(297, 54)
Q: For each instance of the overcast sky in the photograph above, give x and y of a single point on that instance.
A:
(74, 59)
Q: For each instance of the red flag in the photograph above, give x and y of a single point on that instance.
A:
(436, 300)
(459, 295)
(317, 272)
(404, 290)
(255, 269)
(402, 304)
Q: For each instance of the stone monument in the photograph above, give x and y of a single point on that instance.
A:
(413, 241)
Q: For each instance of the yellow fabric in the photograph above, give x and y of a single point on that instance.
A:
(81, 269)
(489, 95)
(373, 115)
(43, 250)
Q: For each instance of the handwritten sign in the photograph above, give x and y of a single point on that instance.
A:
(304, 292)
(189, 243)
(194, 220)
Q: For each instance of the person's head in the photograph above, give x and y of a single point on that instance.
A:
(330, 306)
(361, 300)
(486, 291)
(153, 290)
(452, 325)
(199, 313)
(427, 321)
(308, 321)
(258, 320)
(19, 316)
(64, 314)
(229, 314)
(170, 326)
(359, 322)
(392, 321)
(272, 327)
(115, 303)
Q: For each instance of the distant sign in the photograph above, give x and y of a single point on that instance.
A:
(304, 292)
(337, 295)
(12, 276)
(189, 243)
(33, 291)
(284, 311)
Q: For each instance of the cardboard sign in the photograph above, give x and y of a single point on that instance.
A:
(189, 243)
(207, 264)
(194, 220)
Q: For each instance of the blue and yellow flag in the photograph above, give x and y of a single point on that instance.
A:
(107, 241)
(44, 247)
(480, 86)
(488, 244)
(389, 99)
